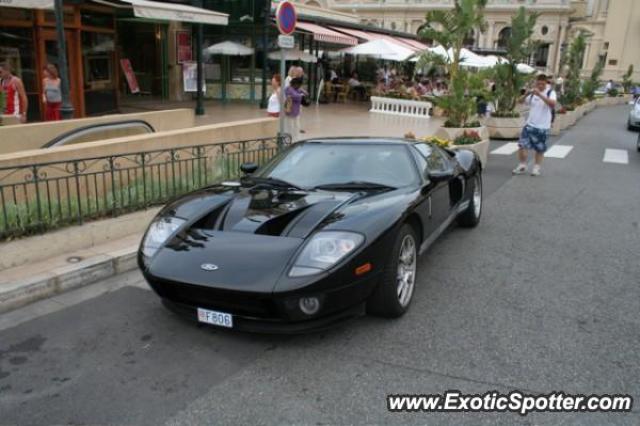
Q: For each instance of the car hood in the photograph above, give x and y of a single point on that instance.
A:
(245, 239)
(269, 211)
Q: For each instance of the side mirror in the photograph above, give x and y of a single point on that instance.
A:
(440, 176)
(248, 168)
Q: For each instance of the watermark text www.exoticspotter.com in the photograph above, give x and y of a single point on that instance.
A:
(516, 402)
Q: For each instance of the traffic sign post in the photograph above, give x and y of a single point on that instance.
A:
(286, 20)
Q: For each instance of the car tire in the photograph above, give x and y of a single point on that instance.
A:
(470, 217)
(388, 299)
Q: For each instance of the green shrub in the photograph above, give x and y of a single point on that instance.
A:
(508, 81)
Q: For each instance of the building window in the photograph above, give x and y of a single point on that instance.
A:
(541, 55)
(99, 68)
(613, 62)
(606, 45)
(90, 18)
(470, 39)
(544, 30)
(393, 26)
(503, 36)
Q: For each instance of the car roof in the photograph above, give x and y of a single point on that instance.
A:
(365, 140)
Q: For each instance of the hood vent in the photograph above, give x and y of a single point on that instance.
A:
(276, 225)
(213, 219)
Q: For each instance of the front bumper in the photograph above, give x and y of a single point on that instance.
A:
(270, 312)
(272, 326)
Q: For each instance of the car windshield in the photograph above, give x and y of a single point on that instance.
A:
(311, 165)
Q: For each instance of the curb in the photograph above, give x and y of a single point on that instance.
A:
(42, 286)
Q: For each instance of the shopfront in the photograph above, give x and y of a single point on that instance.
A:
(28, 41)
(99, 35)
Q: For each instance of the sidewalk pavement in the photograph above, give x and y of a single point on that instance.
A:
(25, 284)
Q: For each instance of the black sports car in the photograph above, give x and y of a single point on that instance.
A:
(324, 231)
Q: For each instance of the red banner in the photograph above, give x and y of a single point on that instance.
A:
(132, 81)
(184, 50)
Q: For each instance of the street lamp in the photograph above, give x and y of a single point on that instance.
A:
(199, 96)
(265, 42)
(66, 109)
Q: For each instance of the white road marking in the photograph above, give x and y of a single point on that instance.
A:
(506, 149)
(558, 151)
(618, 156)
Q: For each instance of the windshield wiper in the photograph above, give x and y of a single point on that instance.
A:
(272, 181)
(354, 185)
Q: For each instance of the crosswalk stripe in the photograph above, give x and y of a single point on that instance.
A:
(617, 156)
(506, 149)
(558, 151)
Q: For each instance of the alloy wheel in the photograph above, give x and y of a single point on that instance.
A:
(406, 270)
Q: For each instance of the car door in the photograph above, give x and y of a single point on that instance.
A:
(438, 192)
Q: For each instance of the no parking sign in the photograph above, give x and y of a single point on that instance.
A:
(286, 17)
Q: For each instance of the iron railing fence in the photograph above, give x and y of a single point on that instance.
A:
(38, 197)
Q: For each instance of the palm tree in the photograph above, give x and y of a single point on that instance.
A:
(572, 60)
(518, 46)
(450, 29)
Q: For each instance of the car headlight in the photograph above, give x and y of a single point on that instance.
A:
(158, 233)
(324, 250)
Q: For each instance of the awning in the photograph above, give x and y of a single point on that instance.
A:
(28, 4)
(381, 48)
(175, 12)
(414, 43)
(357, 33)
(365, 35)
(326, 35)
(228, 48)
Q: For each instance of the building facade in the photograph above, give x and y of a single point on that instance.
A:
(613, 26)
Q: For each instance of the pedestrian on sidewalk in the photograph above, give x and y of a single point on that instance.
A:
(16, 97)
(273, 107)
(51, 93)
(541, 101)
(293, 101)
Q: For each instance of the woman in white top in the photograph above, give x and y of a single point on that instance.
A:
(273, 108)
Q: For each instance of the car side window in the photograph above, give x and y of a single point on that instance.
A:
(436, 160)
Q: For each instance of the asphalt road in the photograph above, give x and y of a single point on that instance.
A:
(543, 296)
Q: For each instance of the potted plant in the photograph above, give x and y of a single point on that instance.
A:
(450, 28)
(591, 84)
(572, 60)
(506, 122)
(627, 82)
(472, 140)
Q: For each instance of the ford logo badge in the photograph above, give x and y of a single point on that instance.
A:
(209, 267)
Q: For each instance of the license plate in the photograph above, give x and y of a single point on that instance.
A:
(221, 319)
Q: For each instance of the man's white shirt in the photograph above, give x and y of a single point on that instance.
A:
(539, 112)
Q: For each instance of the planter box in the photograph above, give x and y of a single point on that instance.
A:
(558, 125)
(481, 148)
(402, 107)
(570, 118)
(504, 128)
(451, 133)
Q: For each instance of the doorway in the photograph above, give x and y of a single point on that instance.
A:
(145, 45)
(49, 54)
